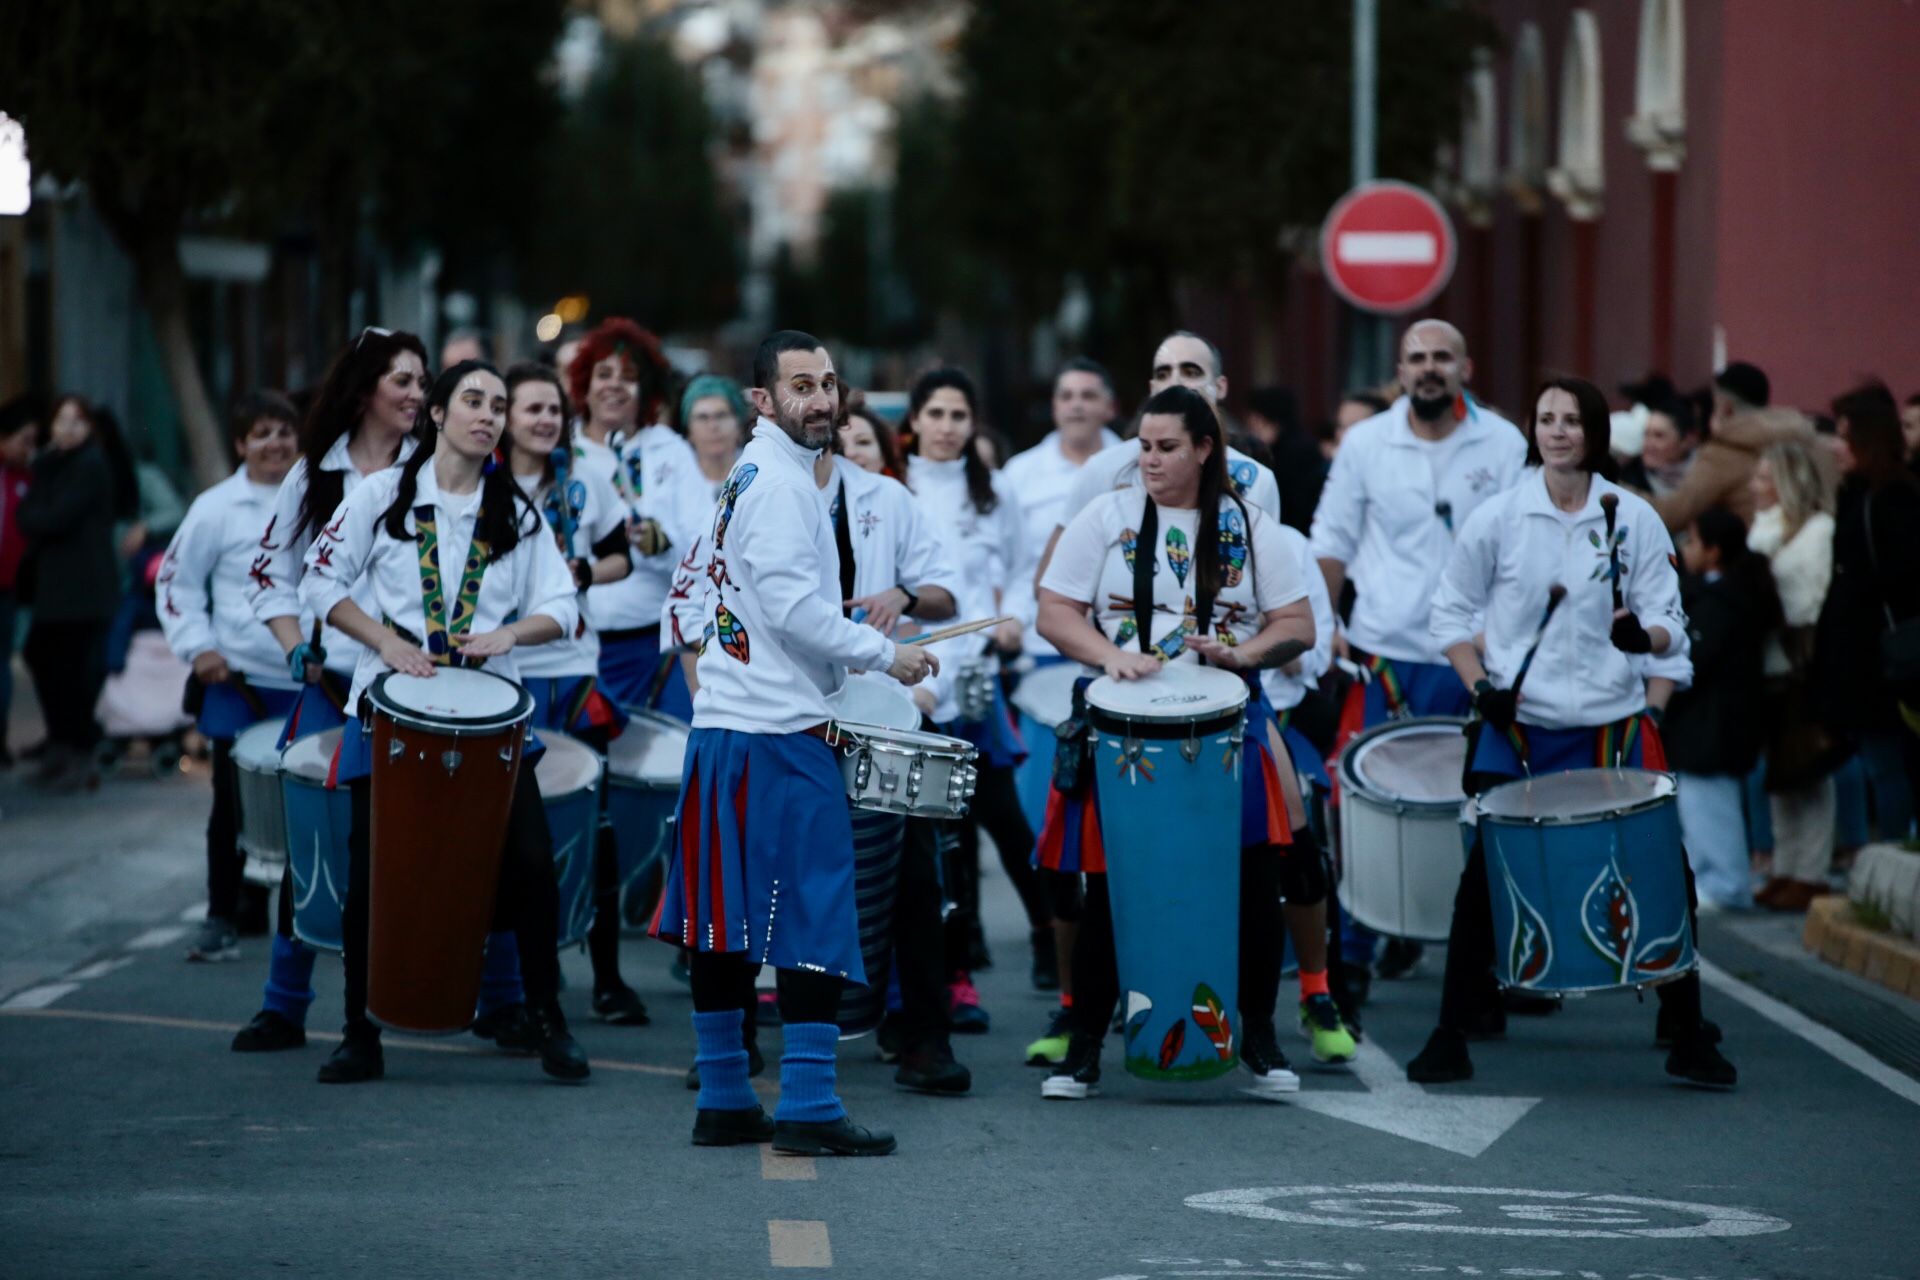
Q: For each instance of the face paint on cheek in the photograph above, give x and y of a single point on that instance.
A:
(794, 405)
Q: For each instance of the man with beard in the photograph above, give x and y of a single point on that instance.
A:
(762, 869)
(1402, 485)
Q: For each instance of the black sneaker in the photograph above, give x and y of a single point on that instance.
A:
(1666, 1030)
(931, 1068)
(1443, 1061)
(1351, 984)
(755, 1065)
(1701, 1063)
(560, 1054)
(510, 1028)
(621, 1006)
(840, 1137)
(1260, 1053)
(214, 940)
(731, 1128)
(1046, 961)
(358, 1058)
(1398, 958)
(1079, 1076)
(269, 1032)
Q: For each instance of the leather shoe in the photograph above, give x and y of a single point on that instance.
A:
(1489, 1022)
(1527, 1004)
(840, 1137)
(620, 1006)
(1666, 1031)
(560, 1054)
(1443, 1061)
(358, 1058)
(931, 1068)
(269, 1033)
(731, 1128)
(1702, 1064)
(510, 1028)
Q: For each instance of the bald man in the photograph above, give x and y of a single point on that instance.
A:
(1402, 485)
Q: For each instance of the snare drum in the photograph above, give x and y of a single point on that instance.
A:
(874, 700)
(446, 756)
(923, 775)
(1400, 854)
(973, 688)
(644, 765)
(318, 824)
(1588, 881)
(569, 774)
(1042, 699)
(263, 816)
(1167, 758)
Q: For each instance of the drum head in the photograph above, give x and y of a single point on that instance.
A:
(311, 758)
(867, 700)
(651, 749)
(1178, 693)
(257, 749)
(1579, 796)
(452, 698)
(568, 765)
(1410, 761)
(1046, 694)
(906, 740)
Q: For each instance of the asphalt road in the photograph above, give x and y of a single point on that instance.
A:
(133, 1142)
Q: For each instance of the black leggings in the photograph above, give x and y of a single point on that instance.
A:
(1096, 975)
(68, 661)
(919, 949)
(723, 980)
(995, 807)
(528, 900)
(224, 861)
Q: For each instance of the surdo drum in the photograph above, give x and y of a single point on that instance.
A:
(318, 824)
(1400, 854)
(644, 765)
(569, 773)
(263, 817)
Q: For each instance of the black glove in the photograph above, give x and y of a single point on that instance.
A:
(1496, 706)
(582, 573)
(1629, 636)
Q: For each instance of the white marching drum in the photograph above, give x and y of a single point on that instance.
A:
(263, 815)
(1400, 818)
(891, 767)
(973, 688)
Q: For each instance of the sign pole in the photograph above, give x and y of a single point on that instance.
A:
(1369, 347)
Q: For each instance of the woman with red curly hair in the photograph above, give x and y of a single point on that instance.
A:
(620, 377)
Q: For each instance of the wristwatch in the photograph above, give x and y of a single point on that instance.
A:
(913, 601)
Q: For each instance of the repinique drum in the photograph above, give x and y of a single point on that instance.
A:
(1042, 699)
(1167, 760)
(925, 775)
(569, 773)
(263, 817)
(973, 687)
(874, 700)
(1588, 883)
(644, 765)
(1400, 855)
(446, 755)
(318, 824)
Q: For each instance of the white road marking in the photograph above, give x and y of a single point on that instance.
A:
(99, 969)
(194, 914)
(798, 1243)
(1386, 248)
(1393, 1104)
(1387, 1206)
(1823, 1038)
(41, 997)
(160, 937)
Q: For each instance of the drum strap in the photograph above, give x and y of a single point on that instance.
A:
(433, 604)
(843, 539)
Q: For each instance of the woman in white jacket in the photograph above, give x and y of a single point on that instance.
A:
(1793, 528)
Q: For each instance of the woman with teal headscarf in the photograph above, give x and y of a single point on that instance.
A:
(714, 417)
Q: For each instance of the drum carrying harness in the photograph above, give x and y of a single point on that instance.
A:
(433, 605)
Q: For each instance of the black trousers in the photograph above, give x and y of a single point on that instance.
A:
(723, 980)
(995, 807)
(528, 901)
(603, 936)
(919, 950)
(68, 661)
(224, 859)
(1096, 973)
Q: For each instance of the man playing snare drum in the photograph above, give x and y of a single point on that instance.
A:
(762, 870)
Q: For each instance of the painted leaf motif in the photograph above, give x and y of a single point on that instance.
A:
(1178, 557)
(1128, 630)
(1170, 1046)
(730, 492)
(1663, 955)
(1530, 948)
(1242, 474)
(1172, 644)
(1233, 546)
(1211, 1018)
(733, 635)
(1139, 1009)
(1609, 918)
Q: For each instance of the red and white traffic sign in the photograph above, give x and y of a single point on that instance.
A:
(1387, 247)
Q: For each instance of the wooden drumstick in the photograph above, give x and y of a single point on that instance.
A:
(1610, 503)
(959, 629)
(1555, 594)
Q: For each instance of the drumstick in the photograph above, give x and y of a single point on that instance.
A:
(959, 629)
(1610, 503)
(1555, 594)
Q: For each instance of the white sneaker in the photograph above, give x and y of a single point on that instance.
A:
(214, 940)
(1064, 1088)
(1275, 1084)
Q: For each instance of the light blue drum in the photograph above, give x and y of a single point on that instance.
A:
(644, 765)
(1588, 881)
(569, 773)
(318, 823)
(1042, 699)
(1167, 758)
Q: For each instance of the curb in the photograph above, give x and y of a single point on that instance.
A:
(1837, 937)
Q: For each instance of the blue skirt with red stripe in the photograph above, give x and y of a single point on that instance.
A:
(997, 737)
(574, 704)
(228, 709)
(1632, 743)
(763, 860)
(1070, 838)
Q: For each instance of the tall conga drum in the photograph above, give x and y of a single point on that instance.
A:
(1167, 761)
(446, 757)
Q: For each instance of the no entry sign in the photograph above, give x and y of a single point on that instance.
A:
(1387, 247)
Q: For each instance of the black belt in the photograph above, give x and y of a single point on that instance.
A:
(630, 633)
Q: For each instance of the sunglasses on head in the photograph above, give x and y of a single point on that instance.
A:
(373, 329)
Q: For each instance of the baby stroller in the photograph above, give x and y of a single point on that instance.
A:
(140, 702)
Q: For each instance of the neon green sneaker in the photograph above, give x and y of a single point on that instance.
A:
(1320, 1023)
(1050, 1050)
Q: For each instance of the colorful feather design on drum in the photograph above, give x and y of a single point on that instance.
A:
(1211, 1018)
(1665, 955)
(1530, 949)
(1139, 1009)
(730, 492)
(1176, 1039)
(733, 636)
(1233, 546)
(1178, 557)
(1610, 918)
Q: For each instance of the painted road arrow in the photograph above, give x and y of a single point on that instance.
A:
(1393, 1104)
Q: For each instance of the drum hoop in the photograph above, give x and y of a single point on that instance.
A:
(383, 706)
(1127, 726)
(1350, 779)
(1580, 820)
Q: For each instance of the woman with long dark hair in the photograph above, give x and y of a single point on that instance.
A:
(521, 593)
(1586, 693)
(978, 522)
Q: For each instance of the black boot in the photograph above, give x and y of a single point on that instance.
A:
(269, 1032)
(1668, 1030)
(510, 1027)
(560, 1054)
(357, 1059)
(1046, 961)
(840, 1137)
(1443, 1061)
(731, 1128)
(1698, 1061)
(620, 1005)
(929, 1067)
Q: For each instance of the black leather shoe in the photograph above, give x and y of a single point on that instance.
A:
(840, 1137)
(269, 1033)
(1666, 1030)
(1702, 1064)
(1443, 1061)
(731, 1128)
(1046, 961)
(620, 1006)
(357, 1059)
(755, 1065)
(1528, 1005)
(560, 1054)
(931, 1068)
(510, 1027)
(1490, 1023)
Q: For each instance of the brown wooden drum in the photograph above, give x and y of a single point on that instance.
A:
(446, 757)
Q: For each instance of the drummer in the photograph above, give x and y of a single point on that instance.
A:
(619, 379)
(762, 870)
(1232, 575)
(1402, 486)
(588, 522)
(239, 675)
(449, 505)
(1584, 700)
